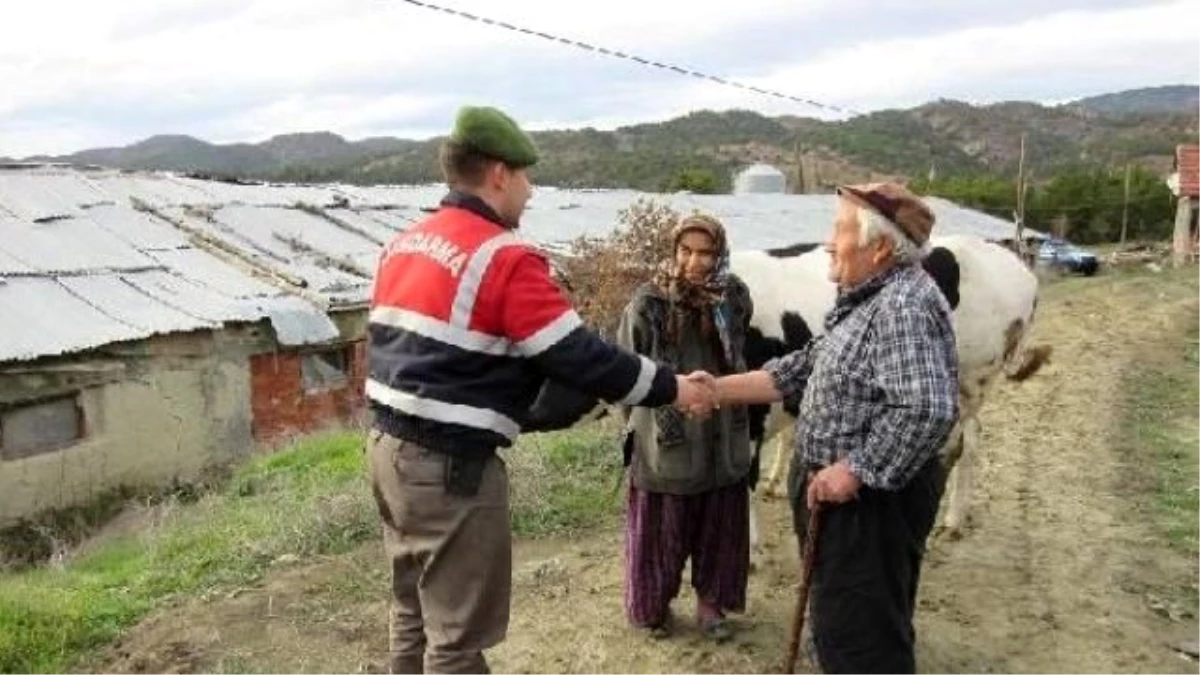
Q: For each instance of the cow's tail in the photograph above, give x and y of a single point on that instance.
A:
(1022, 360)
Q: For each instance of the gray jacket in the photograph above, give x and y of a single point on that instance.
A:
(672, 454)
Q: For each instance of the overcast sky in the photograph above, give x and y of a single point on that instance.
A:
(87, 73)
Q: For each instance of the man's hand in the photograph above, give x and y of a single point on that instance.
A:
(835, 483)
(697, 394)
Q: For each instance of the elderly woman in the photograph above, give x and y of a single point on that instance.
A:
(688, 493)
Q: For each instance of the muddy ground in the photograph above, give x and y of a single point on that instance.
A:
(1060, 568)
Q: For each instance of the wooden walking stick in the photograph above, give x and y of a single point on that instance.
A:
(810, 554)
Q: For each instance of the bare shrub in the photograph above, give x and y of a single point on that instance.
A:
(601, 273)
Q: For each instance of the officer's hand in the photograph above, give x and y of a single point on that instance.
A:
(697, 395)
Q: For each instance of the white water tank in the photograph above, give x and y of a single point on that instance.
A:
(758, 179)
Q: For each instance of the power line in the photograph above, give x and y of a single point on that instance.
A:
(631, 57)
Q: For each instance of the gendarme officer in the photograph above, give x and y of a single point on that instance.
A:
(466, 325)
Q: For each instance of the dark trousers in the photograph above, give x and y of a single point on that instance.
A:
(868, 563)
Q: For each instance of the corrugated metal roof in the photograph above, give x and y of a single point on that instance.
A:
(754, 221)
(297, 322)
(69, 245)
(154, 277)
(193, 299)
(365, 222)
(207, 270)
(298, 244)
(338, 286)
(45, 193)
(270, 228)
(395, 219)
(42, 317)
(1187, 163)
(140, 230)
(11, 265)
(117, 297)
(263, 194)
(155, 189)
(413, 197)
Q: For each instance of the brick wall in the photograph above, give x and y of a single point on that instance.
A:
(281, 407)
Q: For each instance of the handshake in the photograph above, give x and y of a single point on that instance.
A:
(698, 395)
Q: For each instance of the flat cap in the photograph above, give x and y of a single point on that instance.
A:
(490, 132)
(895, 202)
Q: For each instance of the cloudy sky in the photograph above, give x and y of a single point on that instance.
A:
(86, 73)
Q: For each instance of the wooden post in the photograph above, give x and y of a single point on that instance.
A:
(1125, 208)
(1181, 244)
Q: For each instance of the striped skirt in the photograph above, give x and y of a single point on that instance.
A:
(663, 530)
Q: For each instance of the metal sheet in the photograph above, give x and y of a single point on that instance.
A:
(413, 197)
(115, 296)
(11, 265)
(327, 280)
(754, 221)
(256, 244)
(155, 189)
(395, 220)
(68, 245)
(252, 231)
(43, 318)
(367, 223)
(139, 229)
(192, 299)
(264, 224)
(297, 322)
(205, 269)
(264, 194)
(45, 193)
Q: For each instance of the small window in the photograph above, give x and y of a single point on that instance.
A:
(323, 371)
(41, 427)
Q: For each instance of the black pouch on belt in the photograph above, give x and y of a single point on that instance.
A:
(464, 473)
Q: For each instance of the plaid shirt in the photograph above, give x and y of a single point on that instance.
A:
(880, 388)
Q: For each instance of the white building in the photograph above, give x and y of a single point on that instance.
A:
(760, 179)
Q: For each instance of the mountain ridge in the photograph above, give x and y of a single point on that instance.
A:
(941, 137)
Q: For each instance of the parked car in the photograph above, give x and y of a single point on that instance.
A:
(1067, 257)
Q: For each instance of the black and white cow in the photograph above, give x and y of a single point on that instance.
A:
(993, 296)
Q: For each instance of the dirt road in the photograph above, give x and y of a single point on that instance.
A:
(1057, 571)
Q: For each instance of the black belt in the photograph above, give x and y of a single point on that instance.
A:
(465, 462)
(428, 434)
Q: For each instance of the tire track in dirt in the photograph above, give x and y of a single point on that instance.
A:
(1047, 505)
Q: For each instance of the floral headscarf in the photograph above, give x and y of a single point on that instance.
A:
(708, 297)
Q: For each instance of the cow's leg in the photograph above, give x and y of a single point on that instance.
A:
(958, 483)
(782, 461)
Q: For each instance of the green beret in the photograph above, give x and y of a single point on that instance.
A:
(491, 132)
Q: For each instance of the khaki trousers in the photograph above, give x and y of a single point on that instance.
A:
(451, 558)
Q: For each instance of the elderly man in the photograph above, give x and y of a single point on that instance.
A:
(878, 399)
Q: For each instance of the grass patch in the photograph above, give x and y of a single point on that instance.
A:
(563, 483)
(309, 499)
(1163, 424)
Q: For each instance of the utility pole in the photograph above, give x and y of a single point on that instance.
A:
(800, 169)
(1020, 242)
(1125, 208)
